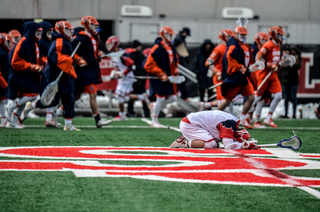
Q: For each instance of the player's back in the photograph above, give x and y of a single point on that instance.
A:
(270, 52)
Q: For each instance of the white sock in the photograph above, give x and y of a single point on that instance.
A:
(274, 103)
(168, 100)
(140, 97)
(122, 114)
(67, 121)
(59, 111)
(14, 104)
(258, 110)
(158, 105)
(242, 116)
(3, 120)
(19, 110)
(49, 114)
(2, 108)
(207, 104)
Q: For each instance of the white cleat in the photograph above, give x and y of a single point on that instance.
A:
(26, 111)
(103, 122)
(155, 125)
(181, 142)
(119, 118)
(258, 124)
(17, 122)
(146, 98)
(70, 127)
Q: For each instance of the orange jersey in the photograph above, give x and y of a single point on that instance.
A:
(270, 53)
(217, 55)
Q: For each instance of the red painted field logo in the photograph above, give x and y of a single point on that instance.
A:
(243, 167)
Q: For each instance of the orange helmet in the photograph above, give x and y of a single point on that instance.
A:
(261, 38)
(225, 34)
(166, 34)
(112, 43)
(15, 35)
(6, 40)
(90, 24)
(241, 33)
(64, 28)
(276, 33)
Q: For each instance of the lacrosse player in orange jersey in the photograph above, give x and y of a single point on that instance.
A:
(235, 73)
(259, 39)
(270, 53)
(214, 62)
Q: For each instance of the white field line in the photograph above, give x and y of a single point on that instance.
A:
(289, 180)
(87, 126)
(162, 126)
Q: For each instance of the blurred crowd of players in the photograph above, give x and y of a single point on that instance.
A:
(34, 57)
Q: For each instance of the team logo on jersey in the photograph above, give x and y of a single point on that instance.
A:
(243, 167)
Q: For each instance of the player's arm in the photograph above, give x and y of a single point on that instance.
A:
(63, 61)
(152, 67)
(214, 56)
(19, 64)
(233, 65)
(129, 63)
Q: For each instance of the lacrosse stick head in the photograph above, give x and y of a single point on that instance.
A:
(258, 65)
(294, 143)
(177, 79)
(49, 94)
(242, 21)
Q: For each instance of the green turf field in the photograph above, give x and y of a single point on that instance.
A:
(64, 191)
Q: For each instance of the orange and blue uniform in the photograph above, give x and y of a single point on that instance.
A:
(271, 53)
(4, 71)
(236, 57)
(162, 59)
(217, 56)
(22, 80)
(59, 59)
(90, 75)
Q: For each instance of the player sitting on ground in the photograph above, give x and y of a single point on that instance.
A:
(124, 67)
(206, 129)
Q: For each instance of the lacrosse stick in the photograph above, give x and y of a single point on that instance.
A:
(51, 89)
(258, 65)
(173, 79)
(264, 80)
(294, 143)
(242, 21)
(213, 96)
(216, 85)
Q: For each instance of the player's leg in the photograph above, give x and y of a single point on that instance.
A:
(2, 112)
(246, 91)
(68, 105)
(258, 110)
(294, 100)
(156, 108)
(275, 88)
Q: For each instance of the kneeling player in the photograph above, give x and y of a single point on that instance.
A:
(207, 128)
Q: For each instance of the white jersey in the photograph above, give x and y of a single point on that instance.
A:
(124, 86)
(208, 120)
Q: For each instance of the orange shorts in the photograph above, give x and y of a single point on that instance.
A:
(92, 88)
(272, 85)
(230, 92)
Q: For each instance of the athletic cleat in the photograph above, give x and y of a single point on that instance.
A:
(270, 123)
(26, 111)
(245, 124)
(9, 113)
(250, 119)
(70, 127)
(119, 118)
(17, 122)
(49, 124)
(10, 125)
(155, 125)
(181, 142)
(201, 106)
(258, 124)
(3, 125)
(146, 98)
(103, 122)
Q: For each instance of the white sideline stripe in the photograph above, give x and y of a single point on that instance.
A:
(289, 181)
(87, 126)
(162, 126)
